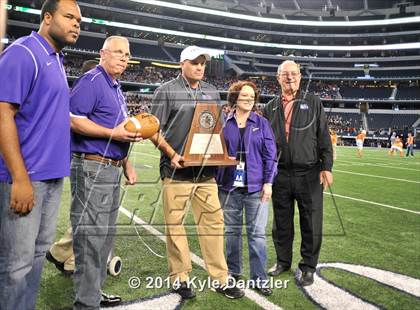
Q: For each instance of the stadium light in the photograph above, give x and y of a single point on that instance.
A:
(269, 20)
(399, 46)
(164, 65)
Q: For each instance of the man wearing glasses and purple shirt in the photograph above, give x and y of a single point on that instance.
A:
(99, 148)
(34, 149)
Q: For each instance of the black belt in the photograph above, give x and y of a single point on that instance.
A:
(98, 158)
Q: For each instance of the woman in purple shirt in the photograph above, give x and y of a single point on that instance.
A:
(246, 188)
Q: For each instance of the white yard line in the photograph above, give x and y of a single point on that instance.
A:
(399, 281)
(329, 296)
(382, 160)
(377, 165)
(407, 162)
(376, 176)
(255, 297)
(145, 154)
(373, 203)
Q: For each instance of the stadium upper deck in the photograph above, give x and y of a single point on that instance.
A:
(158, 30)
(302, 27)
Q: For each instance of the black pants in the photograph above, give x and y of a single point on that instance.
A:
(307, 191)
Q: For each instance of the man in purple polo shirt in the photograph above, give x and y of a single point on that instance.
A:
(34, 149)
(100, 145)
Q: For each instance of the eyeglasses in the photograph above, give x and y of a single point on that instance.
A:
(287, 74)
(120, 54)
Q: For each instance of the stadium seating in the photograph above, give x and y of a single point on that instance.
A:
(366, 93)
(408, 93)
(377, 121)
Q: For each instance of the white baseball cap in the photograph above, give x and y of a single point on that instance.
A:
(192, 52)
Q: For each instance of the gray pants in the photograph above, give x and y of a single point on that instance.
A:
(24, 240)
(95, 191)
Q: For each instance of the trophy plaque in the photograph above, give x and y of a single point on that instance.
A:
(205, 143)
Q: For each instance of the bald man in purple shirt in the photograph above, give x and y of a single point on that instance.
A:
(34, 149)
(100, 146)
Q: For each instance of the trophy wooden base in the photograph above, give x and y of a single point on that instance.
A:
(204, 162)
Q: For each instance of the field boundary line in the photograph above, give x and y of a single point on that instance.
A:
(373, 203)
(376, 165)
(383, 160)
(145, 154)
(376, 176)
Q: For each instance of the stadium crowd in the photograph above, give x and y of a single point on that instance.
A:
(145, 72)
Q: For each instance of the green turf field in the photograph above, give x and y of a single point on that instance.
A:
(375, 223)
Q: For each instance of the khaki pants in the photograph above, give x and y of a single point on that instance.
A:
(62, 250)
(208, 216)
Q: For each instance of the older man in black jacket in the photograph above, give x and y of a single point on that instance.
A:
(304, 167)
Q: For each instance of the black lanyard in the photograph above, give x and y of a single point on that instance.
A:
(241, 146)
(193, 92)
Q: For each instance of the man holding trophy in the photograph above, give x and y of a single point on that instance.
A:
(178, 104)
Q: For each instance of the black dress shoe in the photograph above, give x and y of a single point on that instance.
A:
(58, 265)
(277, 269)
(108, 300)
(184, 290)
(231, 292)
(266, 291)
(305, 278)
(235, 277)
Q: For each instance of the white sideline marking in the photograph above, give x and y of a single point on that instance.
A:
(373, 203)
(145, 154)
(376, 176)
(384, 161)
(376, 165)
(330, 296)
(170, 301)
(255, 297)
(399, 281)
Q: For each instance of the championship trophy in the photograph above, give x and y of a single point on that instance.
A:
(205, 144)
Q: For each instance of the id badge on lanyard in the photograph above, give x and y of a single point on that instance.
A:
(240, 175)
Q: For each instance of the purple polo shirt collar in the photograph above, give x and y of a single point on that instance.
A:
(111, 82)
(47, 47)
(49, 50)
(252, 117)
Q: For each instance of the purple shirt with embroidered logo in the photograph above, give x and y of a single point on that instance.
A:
(33, 78)
(260, 148)
(97, 97)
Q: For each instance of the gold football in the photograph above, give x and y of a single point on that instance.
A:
(144, 123)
